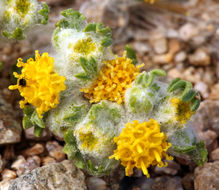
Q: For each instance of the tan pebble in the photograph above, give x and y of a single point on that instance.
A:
(188, 31)
(18, 162)
(214, 95)
(174, 73)
(4, 184)
(32, 163)
(34, 150)
(55, 150)
(201, 57)
(202, 88)
(193, 75)
(215, 154)
(8, 174)
(180, 57)
(96, 183)
(48, 160)
(163, 59)
(210, 27)
(174, 46)
(160, 45)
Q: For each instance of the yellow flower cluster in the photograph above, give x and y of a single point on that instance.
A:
(182, 110)
(141, 145)
(38, 83)
(115, 77)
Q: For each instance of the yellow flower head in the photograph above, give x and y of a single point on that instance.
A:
(141, 145)
(182, 110)
(38, 83)
(115, 77)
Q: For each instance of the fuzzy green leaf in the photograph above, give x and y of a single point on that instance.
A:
(78, 112)
(38, 131)
(199, 154)
(26, 122)
(70, 150)
(203, 153)
(131, 54)
(28, 110)
(79, 161)
(83, 76)
(153, 73)
(172, 83)
(73, 19)
(70, 138)
(195, 104)
(1, 66)
(36, 120)
(91, 27)
(106, 42)
(184, 149)
(90, 68)
(189, 95)
(16, 34)
(44, 12)
(100, 114)
(177, 85)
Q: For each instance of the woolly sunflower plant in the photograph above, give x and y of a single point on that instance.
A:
(107, 111)
(17, 16)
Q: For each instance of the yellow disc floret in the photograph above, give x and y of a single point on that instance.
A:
(38, 83)
(115, 77)
(88, 140)
(182, 110)
(141, 145)
(84, 46)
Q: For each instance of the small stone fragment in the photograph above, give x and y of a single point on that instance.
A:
(160, 45)
(214, 95)
(174, 46)
(202, 88)
(163, 59)
(174, 73)
(55, 150)
(215, 155)
(48, 160)
(206, 177)
(31, 163)
(4, 184)
(167, 183)
(34, 150)
(188, 181)
(188, 31)
(141, 47)
(8, 174)
(171, 169)
(58, 176)
(22, 166)
(210, 138)
(180, 57)
(18, 162)
(10, 130)
(207, 117)
(200, 58)
(95, 183)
